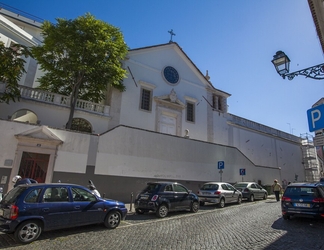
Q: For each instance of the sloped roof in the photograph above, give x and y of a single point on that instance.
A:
(317, 9)
(187, 57)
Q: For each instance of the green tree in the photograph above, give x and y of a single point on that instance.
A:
(80, 58)
(11, 70)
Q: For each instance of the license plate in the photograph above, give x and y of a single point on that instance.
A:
(144, 198)
(301, 205)
(206, 193)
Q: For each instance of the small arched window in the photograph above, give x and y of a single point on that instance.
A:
(25, 115)
(80, 124)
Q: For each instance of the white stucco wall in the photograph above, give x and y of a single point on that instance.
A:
(137, 153)
(267, 150)
(72, 154)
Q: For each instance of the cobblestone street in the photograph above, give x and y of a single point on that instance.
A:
(256, 225)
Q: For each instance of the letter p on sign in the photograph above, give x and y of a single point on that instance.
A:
(314, 115)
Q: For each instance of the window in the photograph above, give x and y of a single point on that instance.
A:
(82, 195)
(178, 188)
(168, 188)
(190, 112)
(230, 187)
(146, 99)
(56, 194)
(218, 103)
(32, 197)
(79, 124)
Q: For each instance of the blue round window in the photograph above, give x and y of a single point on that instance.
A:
(171, 75)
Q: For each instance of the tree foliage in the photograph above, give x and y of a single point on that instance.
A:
(11, 70)
(80, 58)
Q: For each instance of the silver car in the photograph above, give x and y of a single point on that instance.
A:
(220, 193)
(251, 190)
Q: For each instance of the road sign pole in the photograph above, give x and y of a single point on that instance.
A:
(221, 174)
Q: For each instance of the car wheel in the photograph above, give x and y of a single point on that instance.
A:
(139, 211)
(194, 207)
(239, 200)
(112, 220)
(265, 196)
(162, 211)
(28, 231)
(221, 204)
(202, 203)
(286, 217)
(251, 198)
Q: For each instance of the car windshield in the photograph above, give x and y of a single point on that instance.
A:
(241, 185)
(302, 191)
(152, 187)
(12, 195)
(209, 187)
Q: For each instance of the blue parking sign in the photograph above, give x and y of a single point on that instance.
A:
(242, 171)
(315, 118)
(221, 165)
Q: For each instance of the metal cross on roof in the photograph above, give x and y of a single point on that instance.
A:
(172, 34)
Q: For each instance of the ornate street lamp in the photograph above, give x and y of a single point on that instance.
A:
(281, 62)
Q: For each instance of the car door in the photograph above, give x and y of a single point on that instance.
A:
(86, 208)
(258, 191)
(253, 189)
(170, 196)
(232, 193)
(181, 196)
(55, 211)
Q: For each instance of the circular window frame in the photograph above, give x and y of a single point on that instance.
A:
(167, 80)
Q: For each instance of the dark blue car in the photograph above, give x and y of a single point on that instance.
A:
(303, 199)
(27, 210)
(162, 197)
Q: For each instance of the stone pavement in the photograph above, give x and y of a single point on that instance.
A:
(251, 225)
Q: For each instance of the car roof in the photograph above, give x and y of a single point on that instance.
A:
(304, 184)
(246, 182)
(215, 182)
(50, 185)
(163, 182)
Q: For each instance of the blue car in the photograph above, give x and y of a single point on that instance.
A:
(163, 197)
(27, 210)
(303, 199)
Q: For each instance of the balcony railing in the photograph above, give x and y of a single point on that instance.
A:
(61, 100)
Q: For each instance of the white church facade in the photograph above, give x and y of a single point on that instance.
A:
(171, 123)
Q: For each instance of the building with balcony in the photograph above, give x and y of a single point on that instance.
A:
(171, 123)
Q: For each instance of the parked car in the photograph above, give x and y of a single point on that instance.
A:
(164, 197)
(303, 199)
(28, 210)
(251, 190)
(220, 193)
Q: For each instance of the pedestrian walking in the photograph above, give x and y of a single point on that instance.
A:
(276, 187)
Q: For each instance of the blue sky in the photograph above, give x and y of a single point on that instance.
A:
(234, 40)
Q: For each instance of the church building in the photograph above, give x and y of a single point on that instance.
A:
(171, 123)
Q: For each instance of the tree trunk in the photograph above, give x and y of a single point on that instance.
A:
(73, 101)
